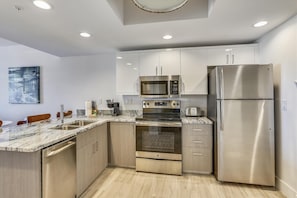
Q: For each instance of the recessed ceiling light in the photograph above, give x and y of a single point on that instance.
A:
(260, 23)
(119, 57)
(167, 37)
(42, 4)
(129, 64)
(228, 50)
(85, 34)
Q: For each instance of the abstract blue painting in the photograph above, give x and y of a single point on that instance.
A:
(24, 85)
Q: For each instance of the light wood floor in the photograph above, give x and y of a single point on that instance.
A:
(127, 183)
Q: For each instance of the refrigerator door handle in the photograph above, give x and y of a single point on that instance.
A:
(218, 83)
(221, 83)
(222, 115)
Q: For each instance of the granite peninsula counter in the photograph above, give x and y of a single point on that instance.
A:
(21, 166)
(33, 138)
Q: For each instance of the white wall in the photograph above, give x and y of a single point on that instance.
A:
(69, 81)
(280, 48)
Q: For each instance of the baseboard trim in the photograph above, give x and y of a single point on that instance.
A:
(285, 188)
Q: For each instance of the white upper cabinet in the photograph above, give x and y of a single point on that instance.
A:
(170, 62)
(194, 70)
(149, 63)
(127, 73)
(159, 62)
(233, 54)
(190, 63)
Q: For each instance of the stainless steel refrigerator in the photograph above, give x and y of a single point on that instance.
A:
(241, 104)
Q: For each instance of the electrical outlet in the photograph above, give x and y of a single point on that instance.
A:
(284, 105)
(99, 101)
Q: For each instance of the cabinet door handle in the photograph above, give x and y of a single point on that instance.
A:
(161, 70)
(137, 86)
(57, 151)
(232, 58)
(197, 129)
(156, 70)
(197, 154)
(197, 141)
(97, 145)
(227, 59)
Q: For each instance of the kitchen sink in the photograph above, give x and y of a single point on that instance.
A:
(81, 122)
(65, 127)
(73, 125)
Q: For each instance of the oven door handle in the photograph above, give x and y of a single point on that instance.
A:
(159, 124)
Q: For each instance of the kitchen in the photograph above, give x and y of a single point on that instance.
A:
(94, 77)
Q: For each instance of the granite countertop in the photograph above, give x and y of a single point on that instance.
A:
(25, 138)
(196, 120)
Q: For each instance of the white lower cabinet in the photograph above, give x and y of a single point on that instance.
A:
(91, 156)
(122, 145)
(197, 148)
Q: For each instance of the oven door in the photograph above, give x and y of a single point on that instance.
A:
(160, 137)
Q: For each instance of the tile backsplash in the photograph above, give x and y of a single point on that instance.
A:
(128, 103)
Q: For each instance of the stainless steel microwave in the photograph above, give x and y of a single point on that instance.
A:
(160, 86)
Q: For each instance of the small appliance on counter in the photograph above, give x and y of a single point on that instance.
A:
(193, 112)
(115, 111)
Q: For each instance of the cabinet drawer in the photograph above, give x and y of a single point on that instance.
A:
(197, 160)
(197, 129)
(197, 141)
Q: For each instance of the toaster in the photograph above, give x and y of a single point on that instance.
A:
(193, 111)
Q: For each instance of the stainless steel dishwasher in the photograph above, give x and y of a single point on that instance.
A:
(59, 170)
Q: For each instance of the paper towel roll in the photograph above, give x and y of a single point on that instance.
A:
(88, 108)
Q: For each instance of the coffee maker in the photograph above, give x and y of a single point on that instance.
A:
(115, 107)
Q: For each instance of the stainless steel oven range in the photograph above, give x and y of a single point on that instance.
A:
(158, 137)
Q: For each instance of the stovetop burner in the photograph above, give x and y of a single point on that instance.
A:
(160, 110)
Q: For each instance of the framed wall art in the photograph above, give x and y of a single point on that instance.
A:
(24, 85)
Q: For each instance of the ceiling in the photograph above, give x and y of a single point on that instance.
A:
(57, 31)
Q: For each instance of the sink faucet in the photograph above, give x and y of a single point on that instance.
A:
(62, 114)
